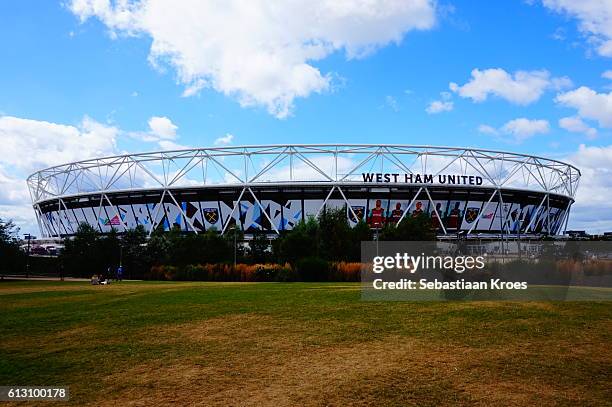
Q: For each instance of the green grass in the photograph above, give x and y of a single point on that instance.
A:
(288, 344)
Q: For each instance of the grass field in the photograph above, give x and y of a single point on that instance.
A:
(298, 344)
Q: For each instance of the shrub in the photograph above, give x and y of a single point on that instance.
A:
(345, 271)
(224, 272)
(312, 269)
(286, 274)
(161, 272)
(307, 269)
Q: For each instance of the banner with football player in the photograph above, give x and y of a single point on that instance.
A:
(437, 214)
(454, 215)
(377, 213)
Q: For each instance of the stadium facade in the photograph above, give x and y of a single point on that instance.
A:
(466, 191)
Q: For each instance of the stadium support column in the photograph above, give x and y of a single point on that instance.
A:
(99, 213)
(567, 212)
(233, 210)
(535, 213)
(60, 224)
(45, 222)
(261, 208)
(436, 211)
(325, 201)
(125, 228)
(154, 220)
(44, 230)
(408, 207)
(485, 205)
(548, 214)
(183, 213)
(503, 224)
(347, 203)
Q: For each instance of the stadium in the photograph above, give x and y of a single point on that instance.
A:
(467, 192)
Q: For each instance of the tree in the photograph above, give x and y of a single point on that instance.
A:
(9, 233)
(11, 257)
(158, 248)
(334, 235)
(361, 232)
(81, 255)
(298, 243)
(258, 247)
(133, 246)
(413, 228)
(109, 251)
(232, 240)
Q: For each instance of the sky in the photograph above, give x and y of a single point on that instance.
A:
(86, 78)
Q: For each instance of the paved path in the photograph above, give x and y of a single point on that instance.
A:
(42, 278)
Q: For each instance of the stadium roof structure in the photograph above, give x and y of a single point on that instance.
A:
(251, 168)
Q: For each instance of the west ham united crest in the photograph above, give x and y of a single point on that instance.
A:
(211, 215)
(471, 214)
(359, 212)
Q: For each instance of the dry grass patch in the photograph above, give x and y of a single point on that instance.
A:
(254, 360)
(63, 339)
(300, 344)
(281, 374)
(6, 289)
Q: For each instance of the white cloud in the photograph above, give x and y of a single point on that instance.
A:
(594, 20)
(32, 144)
(392, 103)
(22, 216)
(438, 106)
(486, 129)
(13, 190)
(559, 34)
(262, 51)
(523, 128)
(518, 130)
(163, 128)
(225, 140)
(522, 88)
(161, 131)
(443, 105)
(607, 74)
(593, 204)
(168, 145)
(576, 125)
(590, 104)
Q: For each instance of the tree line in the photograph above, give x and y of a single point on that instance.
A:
(312, 244)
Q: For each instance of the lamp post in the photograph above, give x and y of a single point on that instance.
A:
(28, 237)
(376, 241)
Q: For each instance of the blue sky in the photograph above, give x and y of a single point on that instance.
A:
(89, 68)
